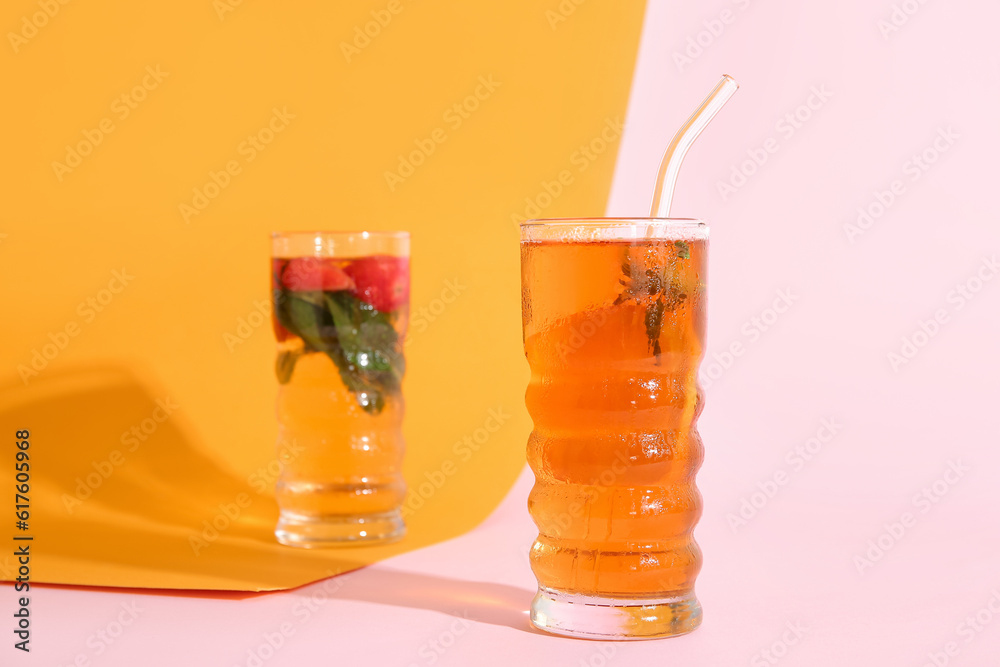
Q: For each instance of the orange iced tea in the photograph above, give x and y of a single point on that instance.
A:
(340, 307)
(614, 328)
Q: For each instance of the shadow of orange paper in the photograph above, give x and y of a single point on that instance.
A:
(143, 507)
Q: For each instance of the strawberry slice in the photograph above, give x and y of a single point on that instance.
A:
(303, 274)
(382, 281)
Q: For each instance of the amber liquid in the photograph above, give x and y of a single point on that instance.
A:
(341, 465)
(338, 460)
(614, 400)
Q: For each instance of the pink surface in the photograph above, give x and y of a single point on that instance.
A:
(785, 585)
(811, 429)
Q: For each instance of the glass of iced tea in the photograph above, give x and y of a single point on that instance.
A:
(613, 312)
(340, 308)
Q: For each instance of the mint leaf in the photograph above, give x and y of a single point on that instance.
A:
(299, 313)
(372, 359)
(654, 325)
(651, 282)
(304, 314)
(311, 322)
(285, 364)
(368, 339)
(360, 341)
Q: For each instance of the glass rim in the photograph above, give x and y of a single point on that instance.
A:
(327, 233)
(341, 244)
(594, 230)
(612, 222)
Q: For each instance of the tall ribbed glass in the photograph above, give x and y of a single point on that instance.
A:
(340, 305)
(613, 315)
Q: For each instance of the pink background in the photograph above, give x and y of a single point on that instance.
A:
(794, 559)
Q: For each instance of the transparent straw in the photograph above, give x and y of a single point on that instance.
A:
(670, 165)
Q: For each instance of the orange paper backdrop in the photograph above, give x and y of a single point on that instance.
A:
(151, 147)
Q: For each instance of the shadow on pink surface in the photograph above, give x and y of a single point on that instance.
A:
(479, 601)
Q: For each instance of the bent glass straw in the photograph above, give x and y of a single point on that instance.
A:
(670, 165)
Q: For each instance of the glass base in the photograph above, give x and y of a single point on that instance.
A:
(614, 618)
(295, 530)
